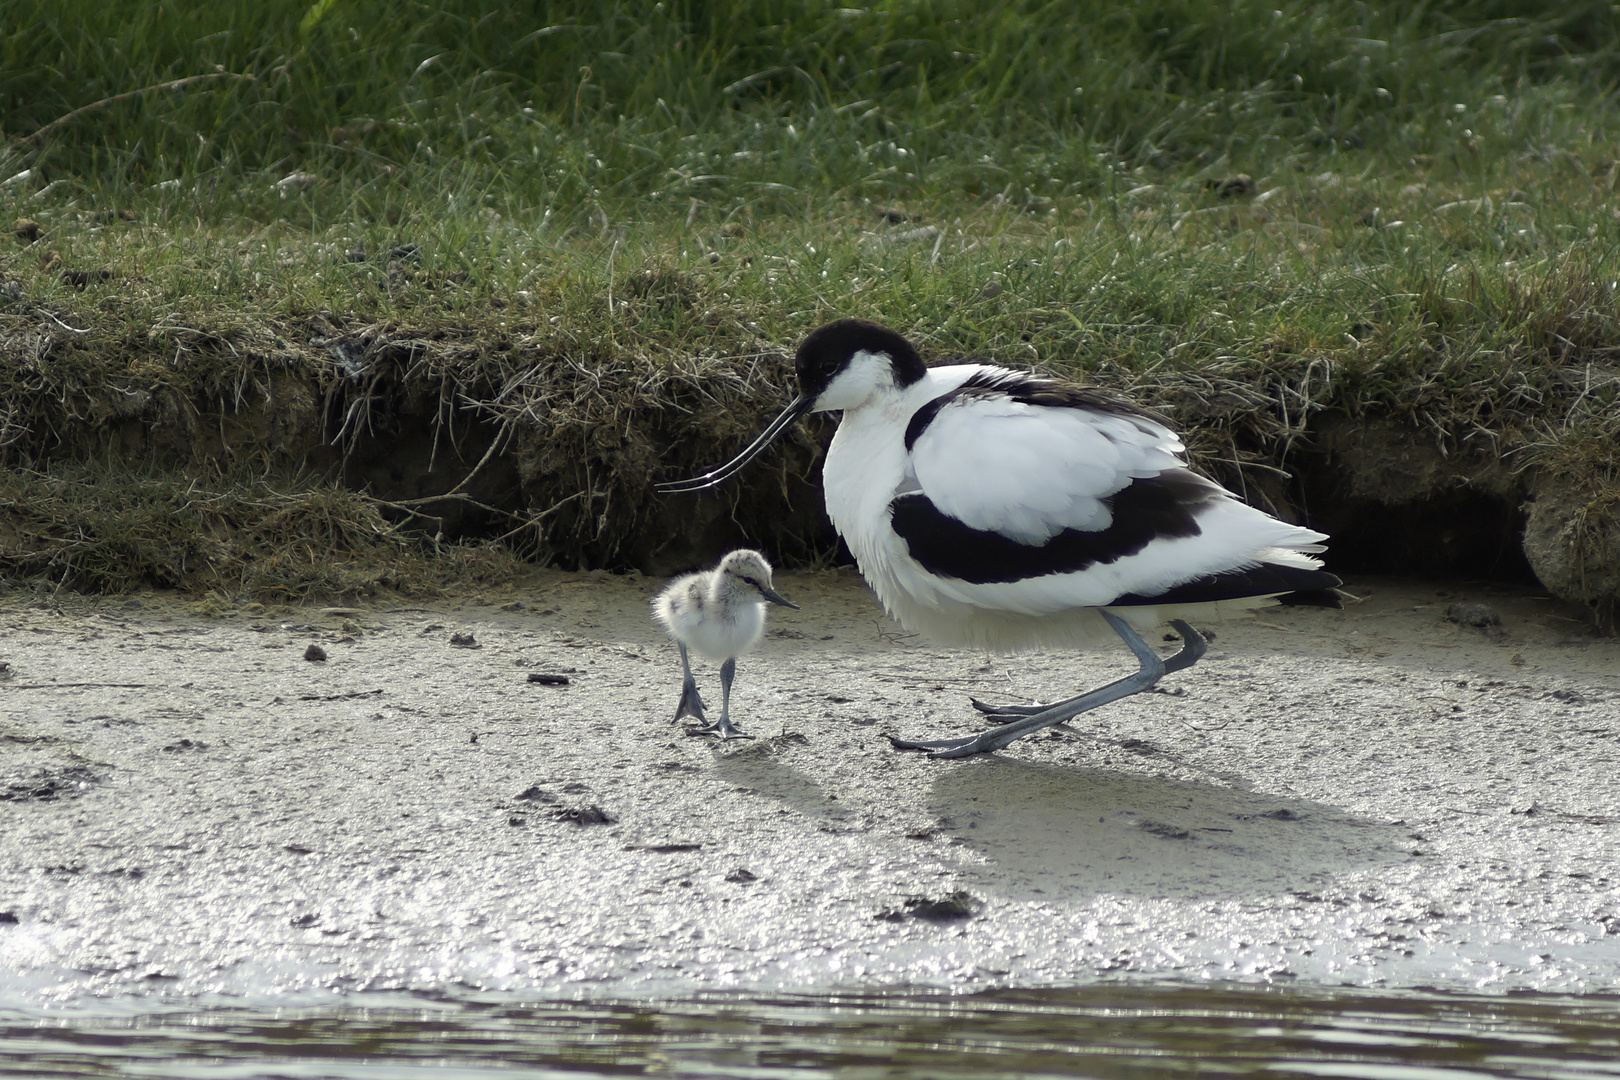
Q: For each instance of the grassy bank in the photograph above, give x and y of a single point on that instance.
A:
(585, 237)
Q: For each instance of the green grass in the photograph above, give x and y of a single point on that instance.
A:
(580, 109)
(624, 214)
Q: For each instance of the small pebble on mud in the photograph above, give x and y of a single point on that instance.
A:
(1164, 829)
(1466, 614)
(314, 652)
(463, 641)
(584, 815)
(950, 908)
(665, 849)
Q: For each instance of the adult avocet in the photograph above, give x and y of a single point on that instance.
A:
(721, 614)
(993, 508)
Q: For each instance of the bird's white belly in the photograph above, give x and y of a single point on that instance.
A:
(865, 467)
(719, 636)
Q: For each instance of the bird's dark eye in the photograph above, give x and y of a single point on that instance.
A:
(751, 581)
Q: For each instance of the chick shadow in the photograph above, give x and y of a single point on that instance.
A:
(1056, 830)
(758, 767)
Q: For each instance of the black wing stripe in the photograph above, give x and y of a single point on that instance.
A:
(925, 415)
(1152, 508)
(1291, 585)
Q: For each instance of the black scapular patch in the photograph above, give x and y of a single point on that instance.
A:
(1029, 390)
(1159, 507)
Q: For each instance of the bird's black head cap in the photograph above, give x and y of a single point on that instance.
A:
(828, 350)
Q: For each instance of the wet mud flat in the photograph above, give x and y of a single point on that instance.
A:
(1377, 797)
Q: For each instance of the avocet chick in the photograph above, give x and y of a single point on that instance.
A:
(721, 614)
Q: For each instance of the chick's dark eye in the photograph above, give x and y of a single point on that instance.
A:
(751, 581)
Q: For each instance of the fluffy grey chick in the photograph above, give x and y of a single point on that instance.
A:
(721, 614)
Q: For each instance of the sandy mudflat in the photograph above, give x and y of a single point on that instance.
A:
(1373, 797)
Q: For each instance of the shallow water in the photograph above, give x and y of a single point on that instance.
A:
(1118, 1031)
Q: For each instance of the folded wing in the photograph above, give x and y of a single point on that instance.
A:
(1053, 497)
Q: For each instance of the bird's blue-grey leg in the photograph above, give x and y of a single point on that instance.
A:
(691, 704)
(1151, 671)
(1193, 647)
(723, 728)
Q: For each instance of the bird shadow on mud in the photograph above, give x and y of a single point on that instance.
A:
(759, 767)
(1058, 830)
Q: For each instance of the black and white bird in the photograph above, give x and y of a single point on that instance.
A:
(1000, 509)
(721, 614)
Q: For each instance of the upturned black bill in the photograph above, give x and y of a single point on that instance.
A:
(721, 473)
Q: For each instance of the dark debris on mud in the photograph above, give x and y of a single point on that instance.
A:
(46, 784)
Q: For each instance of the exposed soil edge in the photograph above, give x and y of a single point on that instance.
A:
(558, 450)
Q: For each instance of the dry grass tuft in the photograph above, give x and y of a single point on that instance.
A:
(96, 530)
